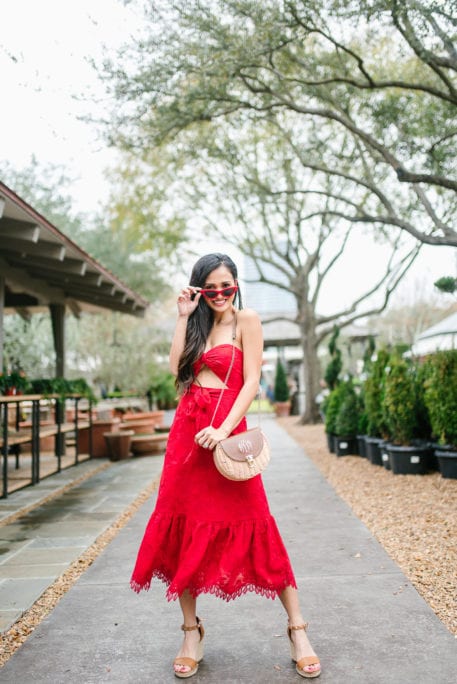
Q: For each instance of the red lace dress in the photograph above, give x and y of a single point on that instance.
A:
(208, 534)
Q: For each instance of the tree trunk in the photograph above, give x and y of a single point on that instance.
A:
(311, 367)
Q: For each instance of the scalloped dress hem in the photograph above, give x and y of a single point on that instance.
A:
(173, 595)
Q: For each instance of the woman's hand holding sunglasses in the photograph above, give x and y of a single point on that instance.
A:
(188, 300)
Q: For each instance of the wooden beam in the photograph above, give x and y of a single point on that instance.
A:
(74, 266)
(23, 230)
(24, 313)
(18, 280)
(52, 250)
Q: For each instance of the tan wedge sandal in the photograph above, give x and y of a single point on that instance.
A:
(190, 662)
(306, 661)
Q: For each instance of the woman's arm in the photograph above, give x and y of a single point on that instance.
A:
(186, 306)
(252, 345)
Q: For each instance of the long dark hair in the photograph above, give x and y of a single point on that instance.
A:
(201, 320)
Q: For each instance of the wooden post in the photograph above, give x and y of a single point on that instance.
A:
(2, 308)
(58, 332)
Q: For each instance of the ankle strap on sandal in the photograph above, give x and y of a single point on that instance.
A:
(294, 627)
(185, 628)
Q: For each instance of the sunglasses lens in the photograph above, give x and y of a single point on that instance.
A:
(211, 294)
(228, 291)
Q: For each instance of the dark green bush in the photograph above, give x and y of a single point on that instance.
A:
(331, 408)
(333, 370)
(373, 393)
(362, 418)
(346, 423)
(162, 390)
(440, 396)
(281, 389)
(400, 401)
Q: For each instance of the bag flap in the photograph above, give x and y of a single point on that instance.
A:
(248, 443)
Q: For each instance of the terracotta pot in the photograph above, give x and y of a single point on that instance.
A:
(282, 408)
(99, 448)
(118, 444)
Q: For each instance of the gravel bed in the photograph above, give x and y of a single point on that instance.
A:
(414, 517)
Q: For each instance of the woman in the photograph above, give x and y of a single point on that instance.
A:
(207, 533)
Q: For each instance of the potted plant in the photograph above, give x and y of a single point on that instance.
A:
(281, 391)
(346, 422)
(440, 395)
(331, 407)
(373, 394)
(14, 382)
(362, 425)
(406, 454)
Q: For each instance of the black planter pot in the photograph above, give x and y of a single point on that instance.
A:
(331, 442)
(447, 460)
(373, 450)
(362, 445)
(408, 460)
(346, 446)
(385, 455)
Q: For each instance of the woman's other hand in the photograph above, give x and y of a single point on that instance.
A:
(210, 436)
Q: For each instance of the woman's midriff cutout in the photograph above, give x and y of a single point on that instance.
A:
(208, 378)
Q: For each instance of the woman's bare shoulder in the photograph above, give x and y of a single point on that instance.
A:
(249, 321)
(248, 316)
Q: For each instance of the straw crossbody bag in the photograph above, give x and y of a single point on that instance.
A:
(245, 454)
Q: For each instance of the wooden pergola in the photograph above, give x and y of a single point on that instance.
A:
(41, 268)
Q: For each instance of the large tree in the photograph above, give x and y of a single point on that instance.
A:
(253, 191)
(379, 75)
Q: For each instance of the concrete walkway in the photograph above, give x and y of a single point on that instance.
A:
(367, 622)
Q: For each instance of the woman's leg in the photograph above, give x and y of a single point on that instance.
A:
(189, 611)
(290, 601)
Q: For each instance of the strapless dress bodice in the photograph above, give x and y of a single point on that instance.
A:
(218, 361)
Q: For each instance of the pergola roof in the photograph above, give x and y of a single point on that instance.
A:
(42, 266)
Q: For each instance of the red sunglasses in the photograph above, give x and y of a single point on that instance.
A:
(226, 292)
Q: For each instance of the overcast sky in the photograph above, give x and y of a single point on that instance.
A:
(47, 82)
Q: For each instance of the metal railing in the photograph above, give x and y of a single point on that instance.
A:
(14, 436)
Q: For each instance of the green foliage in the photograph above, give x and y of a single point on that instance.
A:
(446, 284)
(281, 389)
(61, 386)
(163, 390)
(441, 395)
(346, 423)
(399, 401)
(374, 394)
(14, 380)
(362, 417)
(333, 370)
(331, 408)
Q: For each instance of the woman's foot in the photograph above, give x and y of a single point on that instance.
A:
(191, 652)
(302, 652)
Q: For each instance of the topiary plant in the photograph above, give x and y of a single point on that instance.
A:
(346, 422)
(281, 389)
(399, 401)
(362, 418)
(333, 370)
(440, 396)
(373, 395)
(331, 408)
